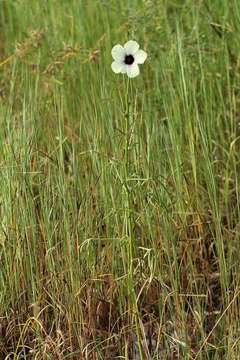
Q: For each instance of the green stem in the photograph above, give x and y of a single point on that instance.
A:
(128, 214)
(129, 226)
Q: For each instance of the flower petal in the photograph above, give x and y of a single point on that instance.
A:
(133, 70)
(124, 68)
(131, 47)
(118, 53)
(117, 67)
(140, 56)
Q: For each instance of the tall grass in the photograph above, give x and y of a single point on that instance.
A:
(66, 217)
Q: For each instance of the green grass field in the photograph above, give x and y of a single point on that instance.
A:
(119, 209)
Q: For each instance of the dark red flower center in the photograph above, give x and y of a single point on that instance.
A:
(129, 60)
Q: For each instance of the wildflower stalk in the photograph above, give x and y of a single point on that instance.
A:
(128, 213)
(129, 225)
(126, 61)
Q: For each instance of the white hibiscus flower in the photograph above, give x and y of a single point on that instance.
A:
(127, 57)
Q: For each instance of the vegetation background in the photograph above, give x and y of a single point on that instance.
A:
(66, 291)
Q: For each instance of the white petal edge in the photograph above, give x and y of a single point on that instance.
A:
(118, 53)
(117, 67)
(133, 70)
(140, 56)
(124, 68)
(131, 47)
